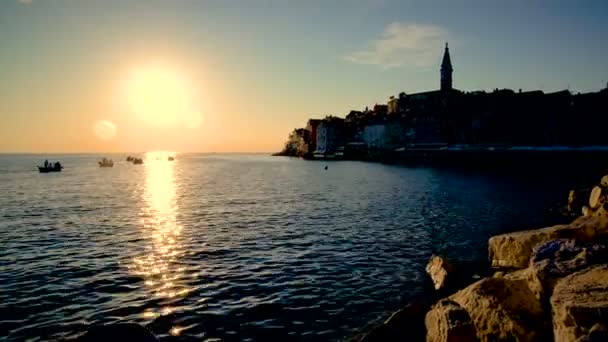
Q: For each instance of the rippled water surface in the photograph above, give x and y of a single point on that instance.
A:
(237, 247)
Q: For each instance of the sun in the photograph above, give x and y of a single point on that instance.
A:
(159, 96)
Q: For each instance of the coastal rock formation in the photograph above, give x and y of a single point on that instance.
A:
(595, 198)
(579, 302)
(552, 284)
(514, 250)
(604, 181)
(449, 322)
(556, 259)
(504, 309)
(574, 202)
(439, 270)
(597, 204)
(597, 333)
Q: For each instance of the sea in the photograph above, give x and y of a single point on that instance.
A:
(242, 247)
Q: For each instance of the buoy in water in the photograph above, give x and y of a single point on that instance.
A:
(325, 167)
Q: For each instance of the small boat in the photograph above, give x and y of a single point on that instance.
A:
(138, 161)
(50, 167)
(106, 163)
(130, 158)
(171, 158)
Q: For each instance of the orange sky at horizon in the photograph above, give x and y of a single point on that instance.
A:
(142, 114)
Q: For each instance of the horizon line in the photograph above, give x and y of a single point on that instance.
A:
(141, 152)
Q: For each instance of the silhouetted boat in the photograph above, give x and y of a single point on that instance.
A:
(171, 158)
(138, 161)
(50, 168)
(106, 163)
(130, 158)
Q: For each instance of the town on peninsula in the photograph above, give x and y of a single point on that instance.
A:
(448, 124)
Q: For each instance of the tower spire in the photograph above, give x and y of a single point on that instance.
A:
(446, 70)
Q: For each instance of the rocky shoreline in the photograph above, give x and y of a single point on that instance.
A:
(549, 284)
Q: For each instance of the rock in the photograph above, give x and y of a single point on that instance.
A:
(407, 324)
(448, 321)
(572, 197)
(602, 211)
(575, 201)
(597, 333)
(439, 269)
(595, 198)
(586, 211)
(579, 302)
(499, 274)
(556, 259)
(604, 181)
(513, 250)
(586, 229)
(504, 309)
(118, 332)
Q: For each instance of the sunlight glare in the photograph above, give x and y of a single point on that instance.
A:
(160, 266)
(162, 97)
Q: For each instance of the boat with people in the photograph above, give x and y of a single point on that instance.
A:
(105, 162)
(130, 158)
(138, 161)
(50, 167)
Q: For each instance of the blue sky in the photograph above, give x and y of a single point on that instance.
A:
(262, 67)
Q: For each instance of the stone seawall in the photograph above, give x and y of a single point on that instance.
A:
(550, 284)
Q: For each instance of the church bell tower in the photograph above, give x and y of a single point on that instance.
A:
(446, 70)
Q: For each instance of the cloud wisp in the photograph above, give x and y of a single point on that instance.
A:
(401, 44)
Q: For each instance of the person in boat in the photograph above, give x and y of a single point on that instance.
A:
(57, 166)
(46, 163)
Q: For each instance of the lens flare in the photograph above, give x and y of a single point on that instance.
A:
(104, 130)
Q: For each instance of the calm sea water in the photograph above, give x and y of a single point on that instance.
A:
(238, 247)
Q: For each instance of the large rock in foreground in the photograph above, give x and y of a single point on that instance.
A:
(449, 322)
(556, 259)
(580, 302)
(504, 309)
(514, 250)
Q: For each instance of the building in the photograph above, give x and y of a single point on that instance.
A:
(312, 127)
(446, 70)
(374, 136)
(393, 105)
(330, 136)
(380, 109)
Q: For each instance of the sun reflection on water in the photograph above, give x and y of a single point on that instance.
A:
(159, 266)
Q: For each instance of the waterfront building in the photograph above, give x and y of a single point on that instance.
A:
(374, 136)
(312, 127)
(330, 136)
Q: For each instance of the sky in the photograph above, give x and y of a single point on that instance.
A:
(238, 76)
